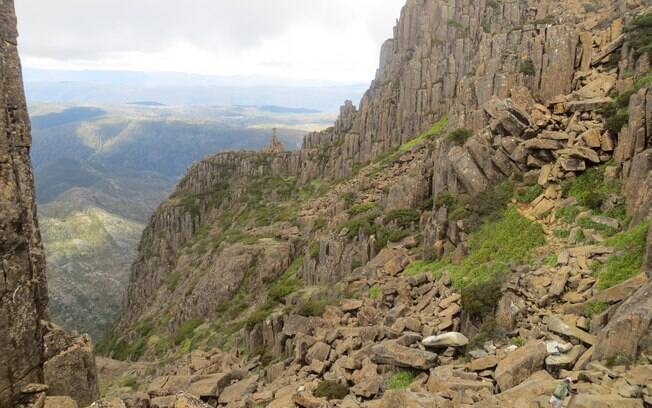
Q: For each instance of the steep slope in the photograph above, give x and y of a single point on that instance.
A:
(483, 191)
(35, 356)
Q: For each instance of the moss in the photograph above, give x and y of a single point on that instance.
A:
(331, 390)
(528, 194)
(400, 380)
(627, 262)
(459, 136)
(527, 67)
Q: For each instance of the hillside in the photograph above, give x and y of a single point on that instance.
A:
(474, 230)
(100, 174)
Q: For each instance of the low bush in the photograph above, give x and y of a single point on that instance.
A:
(331, 390)
(527, 67)
(528, 194)
(627, 262)
(459, 136)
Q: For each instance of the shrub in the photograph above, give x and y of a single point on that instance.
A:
(259, 315)
(480, 299)
(400, 381)
(518, 341)
(331, 390)
(314, 250)
(403, 217)
(562, 233)
(445, 199)
(362, 208)
(527, 67)
(313, 308)
(459, 136)
(568, 214)
(589, 224)
(640, 29)
(590, 189)
(348, 198)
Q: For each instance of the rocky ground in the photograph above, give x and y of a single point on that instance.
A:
(399, 342)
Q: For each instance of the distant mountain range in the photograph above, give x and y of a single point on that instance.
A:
(102, 170)
(156, 89)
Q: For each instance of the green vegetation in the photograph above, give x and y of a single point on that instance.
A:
(549, 19)
(313, 308)
(348, 198)
(527, 67)
(561, 233)
(314, 249)
(375, 292)
(362, 208)
(400, 380)
(403, 217)
(459, 136)
(595, 308)
(185, 330)
(455, 23)
(627, 262)
(419, 267)
(331, 390)
(568, 213)
(518, 341)
(640, 34)
(528, 194)
(587, 223)
(288, 283)
(259, 315)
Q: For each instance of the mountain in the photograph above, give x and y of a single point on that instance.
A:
(35, 355)
(472, 232)
(101, 172)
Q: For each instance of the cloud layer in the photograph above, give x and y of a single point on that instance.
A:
(303, 39)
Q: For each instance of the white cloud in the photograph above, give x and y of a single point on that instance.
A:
(299, 39)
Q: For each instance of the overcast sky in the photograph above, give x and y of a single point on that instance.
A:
(300, 39)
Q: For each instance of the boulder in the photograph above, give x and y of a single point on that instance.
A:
(70, 367)
(409, 399)
(367, 381)
(633, 317)
(451, 339)
(168, 385)
(392, 353)
(509, 310)
(621, 291)
(565, 360)
(588, 105)
(557, 325)
(520, 364)
(187, 401)
(60, 402)
(605, 401)
(307, 400)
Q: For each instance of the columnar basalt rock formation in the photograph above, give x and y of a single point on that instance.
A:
(32, 351)
(23, 288)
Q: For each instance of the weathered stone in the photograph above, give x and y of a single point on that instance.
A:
(565, 360)
(307, 400)
(239, 390)
(392, 353)
(451, 339)
(557, 325)
(168, 385)
(520, 364)
(588, 105)
(633, 317)
(187, 401)
(509, 310)
(605, 401)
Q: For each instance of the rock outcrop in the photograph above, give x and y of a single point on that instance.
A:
(31, 352)
(23, 289)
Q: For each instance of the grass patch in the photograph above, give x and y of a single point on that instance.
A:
(528, 194)
(568, 213)
(627, 262)
(587, 223)
(590, 188)
(419, 267)
(400, 381)
(375, 292)
(403, 217)
(313, 308)
(288, 283)
(185, 330)
(595, 308)
(561, 233)
(362, 208)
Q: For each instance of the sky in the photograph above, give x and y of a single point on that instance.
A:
(332, 40)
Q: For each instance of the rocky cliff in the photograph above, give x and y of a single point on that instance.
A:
(473, 230)
(32, 352)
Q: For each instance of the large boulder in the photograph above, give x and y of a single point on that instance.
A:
(408, 399)
(633, 317)
(605, 401)
(451, 339)
(520, 364)
(390, 352)
(70, 366)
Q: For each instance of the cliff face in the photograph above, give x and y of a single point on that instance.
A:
(23, 289)
(35, 356)
(468, 94)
